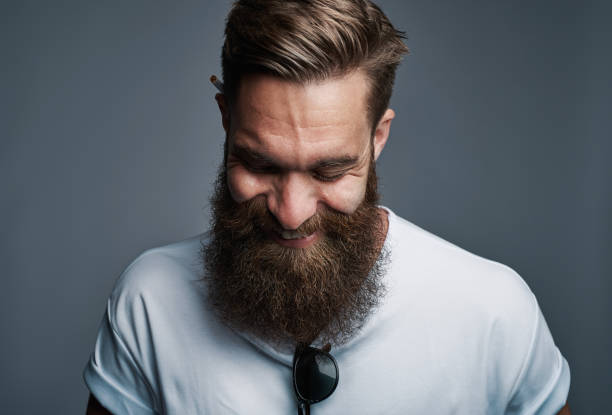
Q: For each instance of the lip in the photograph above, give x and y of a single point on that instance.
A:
(296, 243)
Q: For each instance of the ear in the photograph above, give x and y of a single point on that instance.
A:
(225, 113)
(381, 134)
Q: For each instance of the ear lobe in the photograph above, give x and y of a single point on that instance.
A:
(224, 109)
(381, 134)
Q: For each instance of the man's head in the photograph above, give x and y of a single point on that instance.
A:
(296, 232)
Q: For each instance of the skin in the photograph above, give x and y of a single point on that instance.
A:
(95, 408)
(301, 148)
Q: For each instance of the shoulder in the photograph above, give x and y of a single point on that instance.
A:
(159, 266)
(424, 260)
(158, 278)
(146, 319)
(482, 308)
(459, 291)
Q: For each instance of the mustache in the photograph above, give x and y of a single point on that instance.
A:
(253, 216)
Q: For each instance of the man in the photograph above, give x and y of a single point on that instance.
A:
(299, 254)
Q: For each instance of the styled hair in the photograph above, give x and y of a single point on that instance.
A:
(313, 40)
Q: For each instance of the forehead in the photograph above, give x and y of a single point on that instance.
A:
(301, 121)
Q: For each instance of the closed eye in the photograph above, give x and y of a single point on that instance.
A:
(252, 161)
(324, 170)
(328, 177)
(261, 169)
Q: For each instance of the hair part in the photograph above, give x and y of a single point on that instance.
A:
(311, 41)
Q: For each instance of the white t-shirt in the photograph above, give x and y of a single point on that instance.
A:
(455, 334)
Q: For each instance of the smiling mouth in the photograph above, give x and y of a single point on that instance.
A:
(292, 235)
(293, 239)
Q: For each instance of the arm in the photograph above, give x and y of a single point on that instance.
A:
(565, 410)
(95, 408)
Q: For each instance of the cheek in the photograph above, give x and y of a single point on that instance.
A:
(346, 196)
(242, 185)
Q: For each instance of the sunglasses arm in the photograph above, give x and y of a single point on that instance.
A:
(303, 408)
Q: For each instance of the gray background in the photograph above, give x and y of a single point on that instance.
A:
(110, 140)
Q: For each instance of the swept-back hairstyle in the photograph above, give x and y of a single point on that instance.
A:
(312, 40)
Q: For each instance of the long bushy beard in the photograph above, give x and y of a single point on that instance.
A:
(280, 294)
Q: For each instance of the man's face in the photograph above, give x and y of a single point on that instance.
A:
(295, 245)
(301, 148)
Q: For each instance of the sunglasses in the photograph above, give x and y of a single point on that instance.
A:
(315, 376)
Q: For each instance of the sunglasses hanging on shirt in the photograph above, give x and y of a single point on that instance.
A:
(315, 376)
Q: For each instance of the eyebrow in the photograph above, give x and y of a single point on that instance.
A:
(340, 162)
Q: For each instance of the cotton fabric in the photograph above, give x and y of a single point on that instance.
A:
(455, 334)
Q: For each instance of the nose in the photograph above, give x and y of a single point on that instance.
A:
(293, 200)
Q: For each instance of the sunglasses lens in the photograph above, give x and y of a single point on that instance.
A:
(316, 375)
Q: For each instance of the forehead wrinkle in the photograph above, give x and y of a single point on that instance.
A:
(291, 120)
(296, 138)
(300, 123)
(292, 114)
(304, 147)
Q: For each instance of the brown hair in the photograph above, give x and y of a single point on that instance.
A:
(312, 40)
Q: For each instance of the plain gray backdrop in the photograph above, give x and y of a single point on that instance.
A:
(110, 140)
